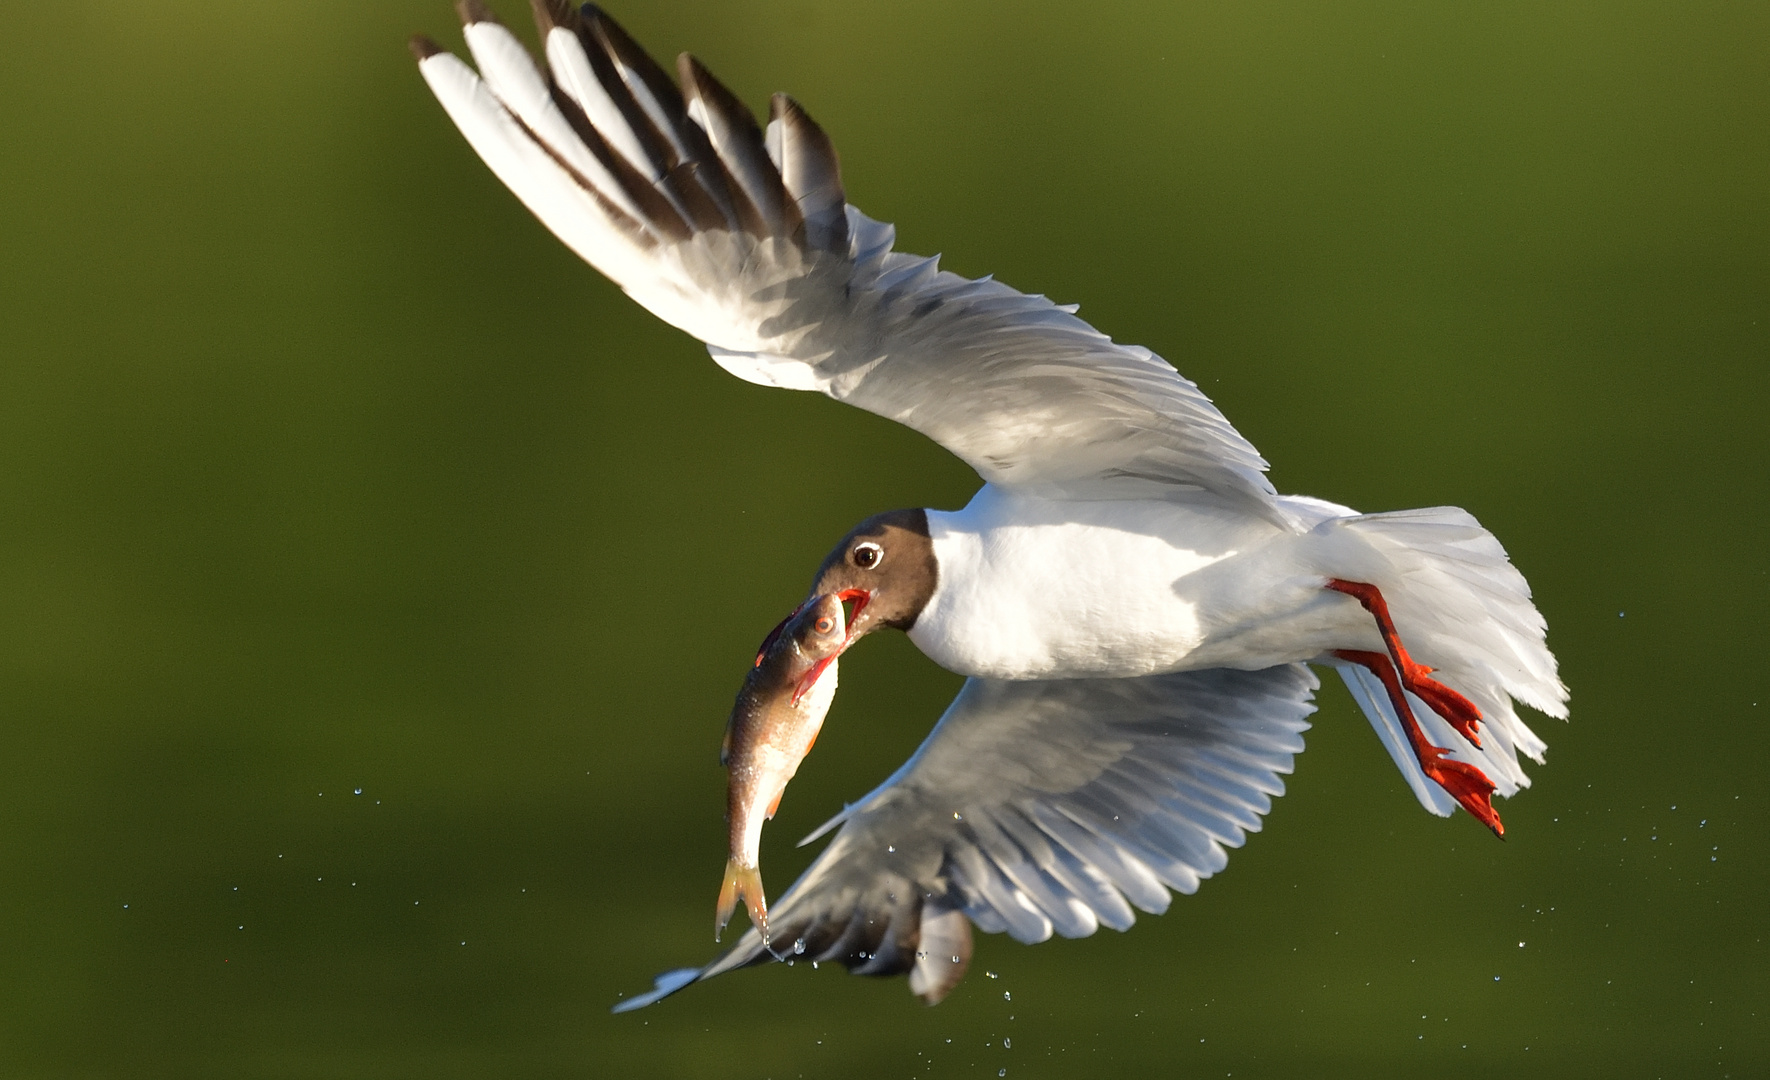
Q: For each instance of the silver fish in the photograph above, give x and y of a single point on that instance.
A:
(772, 727)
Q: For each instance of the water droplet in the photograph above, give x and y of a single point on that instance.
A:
(1001, 1072)
(955, 960)
(799, 946)
(240, 928)
(1007, 1044)
(1520, 945)
(991, 975)
(359, 791)
(1006, 996)
(1496, 978)
(956, 816)
(891, 848)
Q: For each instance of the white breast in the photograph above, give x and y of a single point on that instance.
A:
(1030, 588)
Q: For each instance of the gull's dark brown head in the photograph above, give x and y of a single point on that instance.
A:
(886, 568)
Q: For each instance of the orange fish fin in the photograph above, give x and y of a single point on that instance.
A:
(745, 881)
(776, 804)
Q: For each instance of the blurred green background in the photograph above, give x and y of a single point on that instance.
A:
(375, 578)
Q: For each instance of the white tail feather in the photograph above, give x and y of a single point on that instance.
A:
(1463, 609)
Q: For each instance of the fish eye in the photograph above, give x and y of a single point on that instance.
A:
(824, 625)
(867, 555)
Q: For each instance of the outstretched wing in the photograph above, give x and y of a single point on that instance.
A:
(1038, 807)
(743, 238)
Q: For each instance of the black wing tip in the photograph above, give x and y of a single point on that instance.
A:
(423, 48)
(474, 11)
(553, 15)
(786, 108)
(617, 41)
(690, 71)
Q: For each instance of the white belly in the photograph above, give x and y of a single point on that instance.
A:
(1032, 589)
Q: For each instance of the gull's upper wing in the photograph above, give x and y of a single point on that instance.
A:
(1036, 807)
(744, 239)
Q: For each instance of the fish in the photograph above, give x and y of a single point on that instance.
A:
(773, 724)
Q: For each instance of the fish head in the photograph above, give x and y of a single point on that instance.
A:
(820, 628)
(817, 634)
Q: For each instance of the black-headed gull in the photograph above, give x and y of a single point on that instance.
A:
(1132, 601)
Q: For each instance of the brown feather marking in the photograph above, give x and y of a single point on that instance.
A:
(700, 191)
(619, 217)
(475, 11)
(812, 174)
(754, 183)
(422, 47)
(661, 214)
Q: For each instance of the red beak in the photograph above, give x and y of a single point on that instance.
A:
(860, 598)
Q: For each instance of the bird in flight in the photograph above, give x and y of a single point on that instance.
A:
(1134, 606)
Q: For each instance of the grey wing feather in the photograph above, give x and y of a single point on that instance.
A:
(743, 237)
(1037, 808)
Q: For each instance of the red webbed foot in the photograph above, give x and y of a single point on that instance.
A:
(1468, 785)
(1458, 711)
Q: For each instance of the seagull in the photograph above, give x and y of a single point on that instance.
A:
(1134, 606)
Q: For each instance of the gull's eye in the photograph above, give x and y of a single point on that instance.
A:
(824, 625)
(867, 555)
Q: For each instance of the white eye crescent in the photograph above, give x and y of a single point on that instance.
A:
(867, 555)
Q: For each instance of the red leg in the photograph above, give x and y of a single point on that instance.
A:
(1456, 709)
(1470, 786)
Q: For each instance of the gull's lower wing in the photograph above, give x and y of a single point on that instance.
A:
(1038, 807)
(743, 238)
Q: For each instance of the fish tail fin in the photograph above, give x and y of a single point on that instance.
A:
(747, 882)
